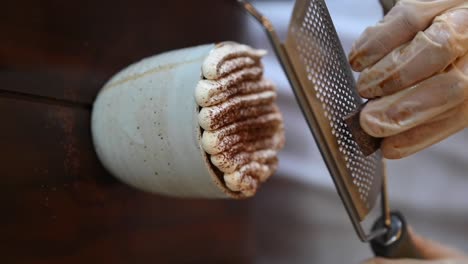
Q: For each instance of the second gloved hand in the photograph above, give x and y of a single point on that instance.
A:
(416, 62)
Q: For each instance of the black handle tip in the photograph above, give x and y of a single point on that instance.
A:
(396, 243)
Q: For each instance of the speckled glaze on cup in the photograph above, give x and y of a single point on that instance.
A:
(145, 127)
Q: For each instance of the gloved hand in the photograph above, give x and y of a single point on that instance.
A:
(432, 252)
(387, 5)
(415, 61)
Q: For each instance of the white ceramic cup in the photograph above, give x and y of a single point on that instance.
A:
(145, 127)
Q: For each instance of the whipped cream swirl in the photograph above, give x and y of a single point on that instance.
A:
(243, 127)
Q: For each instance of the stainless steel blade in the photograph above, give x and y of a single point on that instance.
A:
(319, 73)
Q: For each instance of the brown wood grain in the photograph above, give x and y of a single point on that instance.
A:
(68, 49)
(60, 206)
(57, 203)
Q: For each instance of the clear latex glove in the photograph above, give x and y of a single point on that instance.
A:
(417, 39)
(432, 252)
(422, 77)
(421, 115)
(387, 5)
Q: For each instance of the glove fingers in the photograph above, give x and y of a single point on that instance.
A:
(399, 26)
(424, 136)
(428, 53)
(411, 107)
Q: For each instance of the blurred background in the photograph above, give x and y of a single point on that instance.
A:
(58, 205)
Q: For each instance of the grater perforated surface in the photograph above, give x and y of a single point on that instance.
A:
(327, 81)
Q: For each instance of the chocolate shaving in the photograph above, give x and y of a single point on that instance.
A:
(367, 143)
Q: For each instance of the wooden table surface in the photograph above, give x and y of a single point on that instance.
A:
(57, 203)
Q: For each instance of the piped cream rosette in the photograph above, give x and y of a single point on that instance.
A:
(243, 128)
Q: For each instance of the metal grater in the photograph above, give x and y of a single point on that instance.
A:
(318, 70)
(328, 85)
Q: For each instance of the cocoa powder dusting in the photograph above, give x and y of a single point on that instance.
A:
(262, 122)
(224, 84)
(243, 88)
(239, 112)
(243, 117)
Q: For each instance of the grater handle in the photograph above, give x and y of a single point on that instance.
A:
(397, 243)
